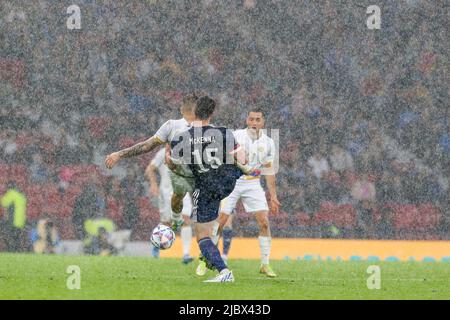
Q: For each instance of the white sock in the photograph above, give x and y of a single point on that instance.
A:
(176, 216)
(264, 245)
(215, 236)
(186, 238)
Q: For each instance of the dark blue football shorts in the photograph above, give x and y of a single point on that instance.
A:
(210, 190)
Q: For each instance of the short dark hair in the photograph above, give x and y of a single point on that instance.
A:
(257, 109)
(205, 108)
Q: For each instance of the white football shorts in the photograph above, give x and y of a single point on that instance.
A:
(252, 195)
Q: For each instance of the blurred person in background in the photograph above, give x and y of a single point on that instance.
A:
(44, 237)
(319, 164)
(97, 241)
(363, 191)
(14, 204)
(131, 190)
(9, 146)
(340, 159)
(90, 203)
(38, 170)
(312, 191)
(384, 228)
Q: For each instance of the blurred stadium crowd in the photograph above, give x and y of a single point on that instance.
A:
(363, 114)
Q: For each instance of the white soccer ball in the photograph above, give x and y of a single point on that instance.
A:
(162, 237)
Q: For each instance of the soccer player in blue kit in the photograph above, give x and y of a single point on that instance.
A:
(216, 161)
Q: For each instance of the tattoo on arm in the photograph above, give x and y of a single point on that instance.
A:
(140, 148)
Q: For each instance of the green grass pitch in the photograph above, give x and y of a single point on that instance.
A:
(25, 276)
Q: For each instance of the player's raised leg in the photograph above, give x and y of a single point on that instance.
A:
(183, 187)
(177, 207)
(186, 229)
(162, 189)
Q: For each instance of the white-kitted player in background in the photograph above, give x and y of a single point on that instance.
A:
(260, 151)
(180, 175)
(164, 191)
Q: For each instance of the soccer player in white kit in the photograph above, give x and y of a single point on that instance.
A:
(164, 192)
(260, 151)
(182, 180)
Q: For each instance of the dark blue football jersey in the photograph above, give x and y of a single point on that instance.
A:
(208, 151)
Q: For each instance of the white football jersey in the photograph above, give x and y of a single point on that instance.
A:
(171, 128)
(259, 152)
(167, 132)
(166, 189)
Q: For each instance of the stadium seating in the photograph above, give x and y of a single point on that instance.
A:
(53, 200)
(18, 174)
(429, 216)
(35, 202)
(406, 217)
(344, 216)
(302, 219)
(4, 174)
(415, 221)
(280, 221)
(79, 174)
(65, 227)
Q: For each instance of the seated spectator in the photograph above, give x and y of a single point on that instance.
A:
(14, 203)
(97, 239)
(44, 237)
(131, 190)
(38, 170)
(364, 224)
(9, 147)
(340, 159)
(311, 192)
(99, 244)
(363, 189)
(384, 228)
(319, 164)
(389, 188)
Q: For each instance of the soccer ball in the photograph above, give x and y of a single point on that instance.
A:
(162, 237)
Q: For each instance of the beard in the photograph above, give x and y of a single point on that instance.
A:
(253, 133)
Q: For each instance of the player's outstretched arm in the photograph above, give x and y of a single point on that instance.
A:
(136, 150)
